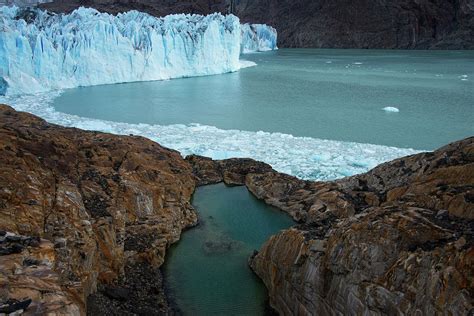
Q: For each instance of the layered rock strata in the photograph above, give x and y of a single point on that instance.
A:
(396, 240)
(86, 210)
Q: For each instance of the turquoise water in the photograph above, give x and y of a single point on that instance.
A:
(207, 271)
(326, 94)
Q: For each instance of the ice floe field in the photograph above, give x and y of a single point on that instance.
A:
(304, 157)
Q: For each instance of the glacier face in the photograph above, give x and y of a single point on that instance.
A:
(89, 48)
(258, 38)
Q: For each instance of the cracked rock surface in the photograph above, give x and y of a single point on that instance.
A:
(85, 210)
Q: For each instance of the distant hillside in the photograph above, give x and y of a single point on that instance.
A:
(406, 24)
(22, 3)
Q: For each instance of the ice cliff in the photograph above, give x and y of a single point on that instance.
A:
(258, 38)
(86, 47)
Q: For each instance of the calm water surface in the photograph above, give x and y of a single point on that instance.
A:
(328, 94)
(207, 271)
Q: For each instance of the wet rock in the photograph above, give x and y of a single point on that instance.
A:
(12, 306)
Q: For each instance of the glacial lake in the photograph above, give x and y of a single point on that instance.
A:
(324, 94)
(207, 271)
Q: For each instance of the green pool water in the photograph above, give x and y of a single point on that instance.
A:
(206, 271)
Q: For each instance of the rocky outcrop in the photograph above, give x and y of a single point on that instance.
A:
(230, 171)
(396, 240)
(85, 210)
(420, 24)
(88, 216)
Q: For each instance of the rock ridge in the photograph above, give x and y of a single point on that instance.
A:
(398, 239)
(82, 211)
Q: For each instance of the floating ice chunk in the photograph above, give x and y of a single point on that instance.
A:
(246, 64)
(391, 109)
(258, 38)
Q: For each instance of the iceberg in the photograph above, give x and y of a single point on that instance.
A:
(56, 51)
(258, 38)
(391, 109)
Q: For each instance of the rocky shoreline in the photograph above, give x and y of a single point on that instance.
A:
(86, 219)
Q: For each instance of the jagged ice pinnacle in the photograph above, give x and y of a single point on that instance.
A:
(40, 51)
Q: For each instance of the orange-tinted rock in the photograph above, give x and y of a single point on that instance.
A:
(396, 240)
(103, 201)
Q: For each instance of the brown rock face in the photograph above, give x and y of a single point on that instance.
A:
(229, 171)
(105, 207)
(420, 24)
(396, 240)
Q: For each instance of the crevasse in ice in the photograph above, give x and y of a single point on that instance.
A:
(258, 38)
(88, 48)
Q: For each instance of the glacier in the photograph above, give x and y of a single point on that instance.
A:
(57, 51)
(258, 38)
(86, 47)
